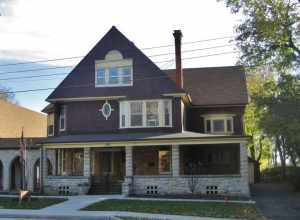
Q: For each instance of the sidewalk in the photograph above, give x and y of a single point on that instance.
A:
(71, 210)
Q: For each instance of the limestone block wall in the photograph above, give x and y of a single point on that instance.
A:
(223, 185)
(66, 185)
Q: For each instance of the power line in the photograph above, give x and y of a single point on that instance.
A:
(70, 66)
(85, 85)
(168, 63)
(77, 57)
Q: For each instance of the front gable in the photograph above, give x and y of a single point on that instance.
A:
(148, 81)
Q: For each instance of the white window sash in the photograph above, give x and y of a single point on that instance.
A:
(62, 116)
(125, 109)
(224, 119)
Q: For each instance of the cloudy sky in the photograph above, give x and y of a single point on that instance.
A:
(32, 30)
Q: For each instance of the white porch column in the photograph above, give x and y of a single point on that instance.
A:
(128, 159)
(127, 186)
(43, 167)
(87, 162)
(244, 167)
(175, 160)
(6, 175)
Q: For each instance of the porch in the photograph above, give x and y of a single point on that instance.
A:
(151, 168)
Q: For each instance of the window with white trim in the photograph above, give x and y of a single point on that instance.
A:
(113, 70)
(146, 113)
(50, 121)
(218, 123)
(62, 118)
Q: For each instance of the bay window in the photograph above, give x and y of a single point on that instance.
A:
(146, 113)
(218, 123)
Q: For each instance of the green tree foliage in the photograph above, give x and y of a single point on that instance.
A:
(269, 35)
(260, 143)
(269, 32)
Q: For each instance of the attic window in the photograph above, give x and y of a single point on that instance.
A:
(113, 71)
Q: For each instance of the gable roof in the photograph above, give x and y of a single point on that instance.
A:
(148, 80)
(214, 85)
(14, 117)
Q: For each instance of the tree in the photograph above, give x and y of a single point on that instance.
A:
(6, 94)
(281, 116)
(269, 33)
(260, 143)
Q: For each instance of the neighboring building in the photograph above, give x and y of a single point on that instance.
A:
(14, 118)
(118, 123)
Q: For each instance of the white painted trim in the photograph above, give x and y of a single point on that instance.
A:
(64, 116)
(224, 117)
(112, 60)
(182, 141)
(174, 94)
(125, 110)
(86, 99)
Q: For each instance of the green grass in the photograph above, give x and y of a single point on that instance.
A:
(35, 203)
(203, 209)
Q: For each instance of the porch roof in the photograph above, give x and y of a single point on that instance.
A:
(131, 137)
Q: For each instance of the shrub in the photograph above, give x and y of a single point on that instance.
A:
(295, 178)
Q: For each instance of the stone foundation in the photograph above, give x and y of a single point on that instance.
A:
(63, 185)
(221, 185)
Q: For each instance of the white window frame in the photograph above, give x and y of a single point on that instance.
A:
(223, 117)
(125, 111)
(50, 122)
(64, 117)
(114, 59)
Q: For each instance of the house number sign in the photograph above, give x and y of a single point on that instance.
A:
(106, 110)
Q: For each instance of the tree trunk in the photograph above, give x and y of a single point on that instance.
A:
(282, 157)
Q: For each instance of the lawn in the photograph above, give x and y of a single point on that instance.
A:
(35, 203)
(203, 209)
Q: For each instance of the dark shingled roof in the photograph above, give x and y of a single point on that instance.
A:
(14, 143)
(130, 137)
(215, 85)
(149, 81)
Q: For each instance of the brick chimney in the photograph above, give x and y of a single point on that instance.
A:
(179, 76)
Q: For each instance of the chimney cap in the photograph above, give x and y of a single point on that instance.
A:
(177, 33)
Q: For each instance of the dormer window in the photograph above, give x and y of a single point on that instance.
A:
(218, 123)
(113, 70)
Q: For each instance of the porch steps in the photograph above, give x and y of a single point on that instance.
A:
(104, 185)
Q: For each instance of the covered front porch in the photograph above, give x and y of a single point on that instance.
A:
(156, 167)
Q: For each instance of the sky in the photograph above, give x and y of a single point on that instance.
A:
(35, 30)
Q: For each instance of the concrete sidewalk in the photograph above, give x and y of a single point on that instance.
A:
(93, 215)
(70, 209)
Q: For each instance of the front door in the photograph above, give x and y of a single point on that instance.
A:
(108, 171)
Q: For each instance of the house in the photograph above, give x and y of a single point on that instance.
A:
(119, 124)
(14, 119)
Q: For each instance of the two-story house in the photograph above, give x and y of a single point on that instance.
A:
(119, 124)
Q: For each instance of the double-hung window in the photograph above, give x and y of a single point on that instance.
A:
(218, 123)
(136, 114)
(114, 70)
(146, 113)
(62, 118)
